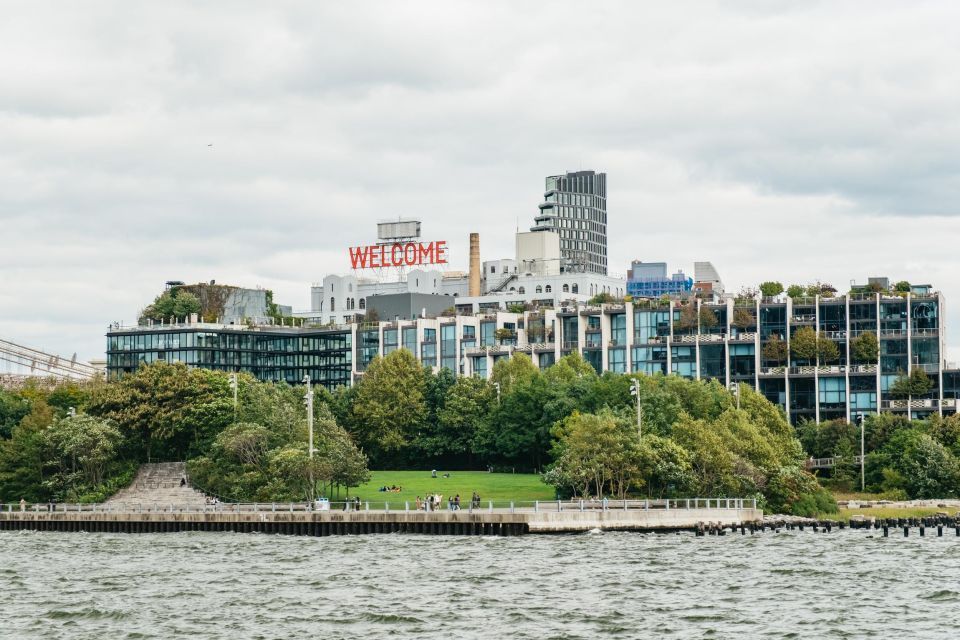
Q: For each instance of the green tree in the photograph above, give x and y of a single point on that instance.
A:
(687, 322)
(174, 303)
(25, 456)
(468, 405)
(918, 383)
(708, 319)
(775, 350)
(602, 298)
(390, 405)
(84, 445)
(596, 454)
(665, 467)
(508, 372)
(771, 288)
(827, 350)
(796, 291)
(903, 286)
(13, 408)
(803, 344)
(743, 319)
(865, 348)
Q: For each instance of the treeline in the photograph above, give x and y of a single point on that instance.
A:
(82, 443)
(905, 459)
(580, 430)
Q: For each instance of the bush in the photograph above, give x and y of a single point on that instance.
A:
(811, 505)
(796, 492)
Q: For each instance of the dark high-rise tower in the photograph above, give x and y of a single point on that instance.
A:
(575, 206)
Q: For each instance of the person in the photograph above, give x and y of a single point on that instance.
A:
(433, 474)
(449, 503)
(23, 504)
(418, 503)
(183, 482)
(456, 502)
(356, 502)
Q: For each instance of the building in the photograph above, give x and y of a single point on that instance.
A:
(575, 208)
(728, 341)
(649, 280)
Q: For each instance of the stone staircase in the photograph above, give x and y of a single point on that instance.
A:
(157, 486)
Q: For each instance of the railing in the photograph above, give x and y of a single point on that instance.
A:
(826, 463)
(488, 506)
(920, 403)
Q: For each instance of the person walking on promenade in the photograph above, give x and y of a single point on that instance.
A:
(23, 504)
(456, 502)
(418, 503)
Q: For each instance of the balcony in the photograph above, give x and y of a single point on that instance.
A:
(863, 368)
(772, 371)
(922, 403)
(744, 337)
(804, 319)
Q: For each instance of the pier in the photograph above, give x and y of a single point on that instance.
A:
(296, 519)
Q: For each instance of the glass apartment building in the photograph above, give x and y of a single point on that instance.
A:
(727, 341)
(575, 206)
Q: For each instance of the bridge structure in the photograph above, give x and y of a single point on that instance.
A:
(25, 363)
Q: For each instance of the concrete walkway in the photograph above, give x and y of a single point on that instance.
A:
(158, 485)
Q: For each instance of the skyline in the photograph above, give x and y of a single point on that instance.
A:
(778, 142)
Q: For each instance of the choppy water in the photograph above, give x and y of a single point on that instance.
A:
(617, 585)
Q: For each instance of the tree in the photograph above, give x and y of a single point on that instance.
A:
(508, 372)
(596, 455)
(865, 348)
(903, 286)
(827, 350)
(803, 344)
(708, 319)
(602, 298)
(796, 291)
(771, 288)
(688, 318)
(173, 303)
(918, 383)
(389, 406)
(468, 405)
(743, 319)
(775, 349)
(665, 467)
(84, 445)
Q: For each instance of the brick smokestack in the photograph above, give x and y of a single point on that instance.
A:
(474, 265)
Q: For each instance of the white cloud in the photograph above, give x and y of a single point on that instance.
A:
(779, 140)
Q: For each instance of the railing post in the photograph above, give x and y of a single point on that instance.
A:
(406, 505)
(386, 507)
(367, 504)
(559, 506)
(581, 505)
(624, 504)
(490, 502)
(511, 506)
(668, 504)
(536, 506)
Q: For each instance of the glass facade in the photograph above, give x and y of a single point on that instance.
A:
(617, 338)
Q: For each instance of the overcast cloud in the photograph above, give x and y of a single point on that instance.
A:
(797, 141)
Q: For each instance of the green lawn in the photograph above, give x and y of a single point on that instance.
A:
(500, 487)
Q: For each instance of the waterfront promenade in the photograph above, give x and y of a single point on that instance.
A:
(297, 519)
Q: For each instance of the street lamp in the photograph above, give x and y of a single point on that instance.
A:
(735, 389)
(308, 401)
(234, 385)
(860, 422)
(635, 391)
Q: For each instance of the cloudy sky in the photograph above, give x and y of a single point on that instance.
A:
(797, 141)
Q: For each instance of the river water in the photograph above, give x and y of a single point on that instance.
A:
(618, 585)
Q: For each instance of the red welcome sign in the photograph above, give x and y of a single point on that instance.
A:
(399, 254)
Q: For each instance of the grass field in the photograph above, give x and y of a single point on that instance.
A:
(519, 487)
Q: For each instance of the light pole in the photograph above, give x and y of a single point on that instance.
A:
(496, 385)
(308, 401)
(635, 391)
(234, 385)
(860, 422)
(735, 389)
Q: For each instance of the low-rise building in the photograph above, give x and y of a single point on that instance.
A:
(744, 341)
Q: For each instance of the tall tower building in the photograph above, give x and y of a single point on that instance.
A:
(575, 206)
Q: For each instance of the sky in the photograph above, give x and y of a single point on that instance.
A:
(791, 141)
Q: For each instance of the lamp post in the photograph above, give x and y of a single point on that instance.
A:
(635, 391)
(308, 401)
(735, 389)
(860, 422)
(234, 385)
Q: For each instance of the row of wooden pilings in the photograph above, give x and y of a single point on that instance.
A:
(933, 523)
(299, 528)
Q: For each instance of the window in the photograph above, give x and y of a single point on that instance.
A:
(363, 303)
(549, 289)
(493, 269)
(576, 288)
(539, 289)
(566, 288)
(333, 303)
(522, 290)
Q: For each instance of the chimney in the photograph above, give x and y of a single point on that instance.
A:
(474, 289)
